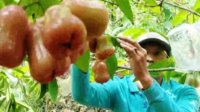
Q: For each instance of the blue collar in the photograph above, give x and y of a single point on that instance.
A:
(132, 86)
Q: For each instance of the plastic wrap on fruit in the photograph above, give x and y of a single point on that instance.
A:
(197, 42)
(104, 48)
(184, 40)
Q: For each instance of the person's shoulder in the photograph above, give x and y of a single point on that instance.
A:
(178, 85)
(182, 88)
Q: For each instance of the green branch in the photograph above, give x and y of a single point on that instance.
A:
(112, 3)
(183, 8)
(152, 70)
(164, 2)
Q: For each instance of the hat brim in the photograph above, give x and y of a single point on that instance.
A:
(161, 43)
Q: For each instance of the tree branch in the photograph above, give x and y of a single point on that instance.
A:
(183, 8)
(109, 2)
(152, 70)
(161, 3)
(177, 6)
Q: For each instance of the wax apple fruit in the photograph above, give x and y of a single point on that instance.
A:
(43, 66)
(104, 48)
(101, 74)
(40, 61)
(64, 34)
(13, 32)
(92, 13)
(93, 45)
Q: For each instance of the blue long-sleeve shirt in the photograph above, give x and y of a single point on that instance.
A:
(122, 95)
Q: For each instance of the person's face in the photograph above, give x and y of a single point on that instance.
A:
(154, 53)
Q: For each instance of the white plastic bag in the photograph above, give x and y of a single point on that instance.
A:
(197, 25)
(185, 43)
(197, 42)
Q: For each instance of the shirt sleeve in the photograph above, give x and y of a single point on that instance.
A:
(187, 99)
(91, 94)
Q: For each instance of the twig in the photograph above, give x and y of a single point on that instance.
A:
(112, 3)
(152, 70)
(183, 8)
(177, 6)
(161, 3)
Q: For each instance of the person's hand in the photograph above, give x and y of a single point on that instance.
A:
(137, 56)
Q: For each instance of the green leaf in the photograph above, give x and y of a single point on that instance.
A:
(2, 100)
(179, 18)
(43, 90)
(24, 105)
(111, 63)
(113, 40)
(166, 75)
(83, 61)
(13, 102)
(150, 2)
(167, 13)
(183, 79)
(7, 2)
(169, 62)
(125, 7)
(27, 3)
(172, 74)
(191, 19)
(17, 72)
(1, 4)
(156, 10)
(53, 90)
(91, 75)
(134, 32)
(46, 4)
(2, 84)
(34, 11)
(197, 6)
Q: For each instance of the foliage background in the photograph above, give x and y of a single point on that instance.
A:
(19, 92)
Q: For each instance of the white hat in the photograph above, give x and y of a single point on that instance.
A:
(155, 37)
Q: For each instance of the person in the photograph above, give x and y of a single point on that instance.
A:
(123, 94)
